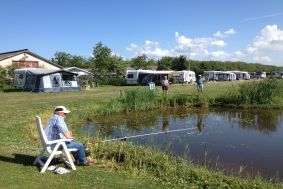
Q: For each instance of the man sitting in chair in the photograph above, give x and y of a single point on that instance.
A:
(57, 129)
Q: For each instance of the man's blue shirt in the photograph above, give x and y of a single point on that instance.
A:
(56, 127)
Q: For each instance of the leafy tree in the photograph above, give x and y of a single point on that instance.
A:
(179, 63)
(117, 65)
(62, 58)
(101, 58)
(67, 60)
(77, 61)
(140, 62)
(164, 63)
(152, 63)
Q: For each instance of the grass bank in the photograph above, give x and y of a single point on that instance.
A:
(142, 168)
(258, 93)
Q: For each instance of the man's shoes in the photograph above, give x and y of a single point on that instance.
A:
(88, 163)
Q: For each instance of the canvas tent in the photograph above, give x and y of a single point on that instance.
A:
(45, 80)
(79, 71)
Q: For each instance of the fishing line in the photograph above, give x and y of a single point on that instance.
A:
(148, 134)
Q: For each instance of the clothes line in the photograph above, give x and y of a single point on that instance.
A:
(149, 134)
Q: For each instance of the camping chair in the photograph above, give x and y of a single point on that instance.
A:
(60, 148)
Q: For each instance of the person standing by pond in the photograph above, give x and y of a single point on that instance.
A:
(199, 83)
(165, 85)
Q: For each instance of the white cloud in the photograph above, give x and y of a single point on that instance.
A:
(182, 40)
(193, 47)
(220, 54)
(230, 32)
(262, 59)
(269, 41)
(132, 47)
(224, 34)
(219, 43)
(265, 48)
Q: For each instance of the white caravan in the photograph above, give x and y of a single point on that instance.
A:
(185, 76)
(210, 75)
(219, 76)
(242, 75)
(135, 77)
(143, 77)
(260, 75)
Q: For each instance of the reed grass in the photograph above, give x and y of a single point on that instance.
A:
(140, 99)
(263, 92)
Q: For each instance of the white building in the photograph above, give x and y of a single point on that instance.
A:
(25, 59)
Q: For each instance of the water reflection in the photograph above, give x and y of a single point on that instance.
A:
(266, 121)
(200, 117)
(233, 138)
(165, 121)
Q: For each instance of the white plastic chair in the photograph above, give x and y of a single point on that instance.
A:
(60, 148)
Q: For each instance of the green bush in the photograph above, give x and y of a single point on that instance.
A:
(6, 81)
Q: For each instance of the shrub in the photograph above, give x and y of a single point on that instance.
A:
(6, 81)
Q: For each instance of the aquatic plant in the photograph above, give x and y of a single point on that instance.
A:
(258, 92)
(248, 93)
(139, 99)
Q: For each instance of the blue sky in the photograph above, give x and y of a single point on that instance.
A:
(245, 30)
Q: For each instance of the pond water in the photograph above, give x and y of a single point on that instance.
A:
(246, 141)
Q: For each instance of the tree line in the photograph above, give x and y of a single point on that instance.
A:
(103, 62)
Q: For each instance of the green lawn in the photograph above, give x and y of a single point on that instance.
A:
(19, 142)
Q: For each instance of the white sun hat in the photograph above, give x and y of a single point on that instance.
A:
(62, 109)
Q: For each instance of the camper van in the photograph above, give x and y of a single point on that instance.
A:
(242, 75)
(260, 75)
(143, 77)
(219, 76)
(45, 80)
(134, 77)
(185, 77)
(226, 76)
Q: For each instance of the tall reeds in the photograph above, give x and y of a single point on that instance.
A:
(260, 92)
(139, 99)
(145, 99)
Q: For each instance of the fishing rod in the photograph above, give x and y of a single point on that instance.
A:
(147, 134)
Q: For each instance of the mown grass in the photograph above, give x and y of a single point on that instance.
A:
(19, 142)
